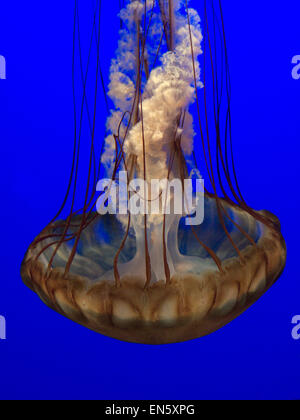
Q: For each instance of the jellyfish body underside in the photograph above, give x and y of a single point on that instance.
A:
(197, 300)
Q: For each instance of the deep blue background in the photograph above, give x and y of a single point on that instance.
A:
(47, 356)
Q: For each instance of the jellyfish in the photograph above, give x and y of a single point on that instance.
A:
(115, 265)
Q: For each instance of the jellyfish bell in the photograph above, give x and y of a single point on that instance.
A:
(196, 300)
(158, 277)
